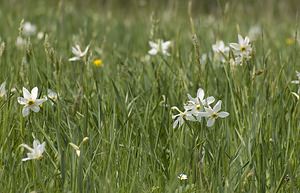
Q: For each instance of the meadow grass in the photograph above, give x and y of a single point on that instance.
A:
(124, 107)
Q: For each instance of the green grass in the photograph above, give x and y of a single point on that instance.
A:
(120, 107)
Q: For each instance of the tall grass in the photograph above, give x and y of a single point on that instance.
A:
(124, 107)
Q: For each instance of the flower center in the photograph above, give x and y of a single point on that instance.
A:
(243, 48)
(215, 115)
(30, 102)
(198, 107)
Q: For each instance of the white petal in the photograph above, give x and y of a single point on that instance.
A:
(217, 107)
(153, 45)
(200, 93)
(27, 147)
(25, 111)
(241, 39)
(235, 46)
(74, 59)
(36, 143)
(75, 51)
(26, 159)
(295, 82)
(26, 93)
(35, 108)
(85, 51)
(39, 101)
(210, 122)
(166, 45)
(34, 93)
(175, 123)
(223, 114)
(153, 51)
(22, 100)
(209, 110)
(203, 114)
(209, 100)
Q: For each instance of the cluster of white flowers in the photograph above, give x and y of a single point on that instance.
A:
(199, 107)
(28, 29)
(242, 51)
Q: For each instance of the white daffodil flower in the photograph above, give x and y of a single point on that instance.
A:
(213, 113)
(30, 101)
(181, 116)
(243, 48)
(20, 42)
(159, 47)
(297, 82)
(29, 29)
(52, 95)
(36, 152)
(3, 90)
(182, 176)
(78, 54)
(197, 104)
(221, 52)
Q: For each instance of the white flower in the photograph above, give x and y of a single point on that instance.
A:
(159, 47)
(243, 49)
(20, 42)
(197, 104)
(182, 176)
(52, 95)
(36, 152)
(3, 90)
(30, 101)
(254, 32)
(213, 113)
(78, 53)
(29, 29)
(203, 58)
(40, 35)
(221, 52)
(297, 81)
(181, 116)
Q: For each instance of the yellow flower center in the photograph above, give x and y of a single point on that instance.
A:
(243, 48)
(198, 107)
(98, 63)
(214, 115)
(30, 102)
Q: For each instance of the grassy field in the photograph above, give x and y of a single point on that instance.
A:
(110, 127)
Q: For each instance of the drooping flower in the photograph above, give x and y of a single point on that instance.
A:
(36, 152)
(213, 113)
(77, 148)
(197, 104)
(159, 47)
(30, 101)
(29, 29)
(221, 52)
(181, 116)
(52, 95)
(182, 176)
(3, 90)
(78, 54)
